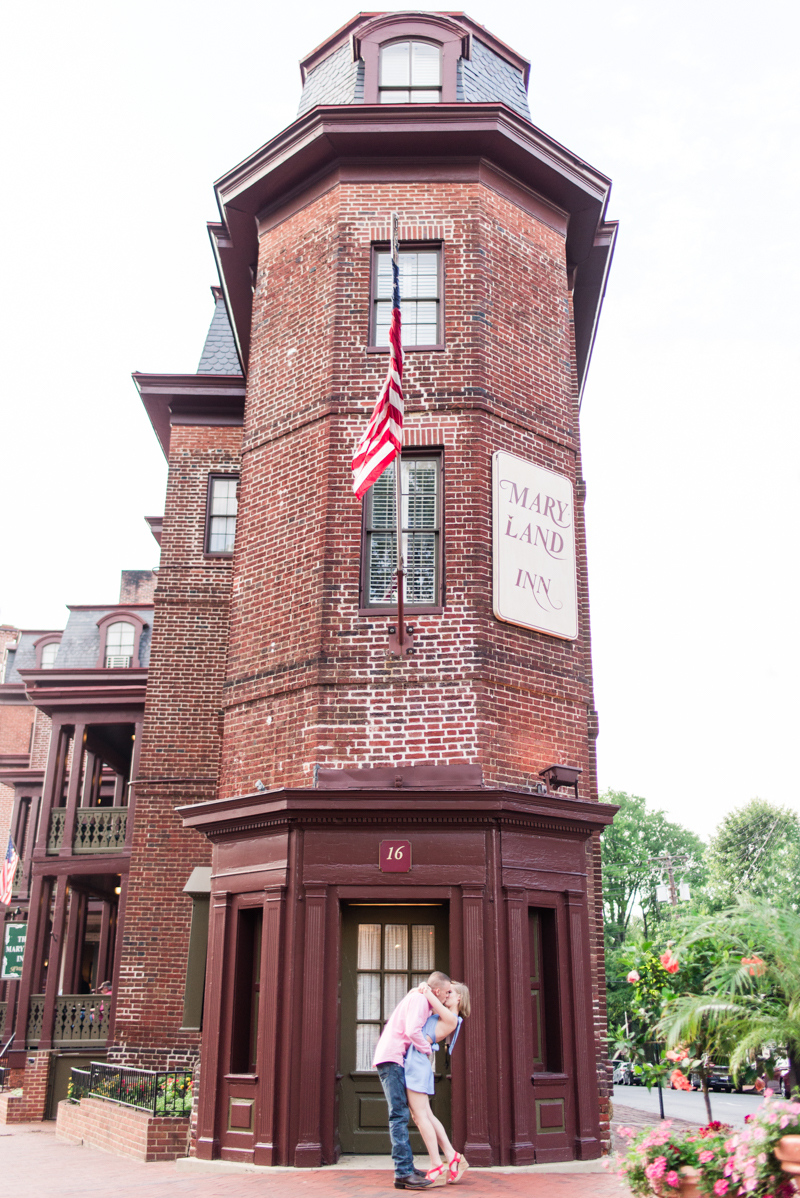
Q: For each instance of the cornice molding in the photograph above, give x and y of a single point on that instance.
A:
(79, 689)
(171, 399)
(395, 134)
(470, 807)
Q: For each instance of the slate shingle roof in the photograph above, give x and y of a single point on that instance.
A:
(219, 354)
(485, 78)
(337, 80)
(80, 643)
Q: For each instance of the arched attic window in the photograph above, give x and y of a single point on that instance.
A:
(120, 639)
(120, 634)
(411, 58)
(47, 650)
(410, 73)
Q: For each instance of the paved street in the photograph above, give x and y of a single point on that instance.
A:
(33, 1163)
(679, 1104)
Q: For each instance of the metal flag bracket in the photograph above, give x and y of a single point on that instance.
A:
(401, 647)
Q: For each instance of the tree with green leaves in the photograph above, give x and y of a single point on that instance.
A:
(756, 850)
(635, 837)
(750, 998)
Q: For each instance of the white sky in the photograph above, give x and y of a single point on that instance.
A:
(117, 119)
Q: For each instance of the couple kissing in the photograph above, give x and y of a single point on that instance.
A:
(404, 1058)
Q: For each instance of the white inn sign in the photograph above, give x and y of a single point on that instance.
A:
(535, 583)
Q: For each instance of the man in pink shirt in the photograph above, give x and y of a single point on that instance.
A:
(403, 1028)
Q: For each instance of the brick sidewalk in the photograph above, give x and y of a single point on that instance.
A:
(33, 1163)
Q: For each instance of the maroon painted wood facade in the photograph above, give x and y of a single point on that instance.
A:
(494, 859)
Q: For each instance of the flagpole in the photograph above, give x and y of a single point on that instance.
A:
(398, 476)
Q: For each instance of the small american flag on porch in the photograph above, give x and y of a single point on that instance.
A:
(383, 438)
(7, 873)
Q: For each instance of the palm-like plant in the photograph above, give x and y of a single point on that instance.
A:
(751, 996)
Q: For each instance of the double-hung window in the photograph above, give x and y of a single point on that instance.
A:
(420, 298)
(421, 530)
(410, 73)
(221, 513)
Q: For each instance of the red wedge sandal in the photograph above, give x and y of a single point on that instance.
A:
(457, 1167)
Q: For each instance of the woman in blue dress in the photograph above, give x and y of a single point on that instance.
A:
(444, 1023)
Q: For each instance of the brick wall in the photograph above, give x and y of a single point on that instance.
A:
(30, 1106)
(180, 758)
(16, 721)
(137, 586)
(309, 682)
(121, 1130)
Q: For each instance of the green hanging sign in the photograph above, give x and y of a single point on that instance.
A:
(13, 951)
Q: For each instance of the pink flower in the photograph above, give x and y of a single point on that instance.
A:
(633, 977)
(670, 963)
(627, 1132)
(672, 1179)
(655, 1171)
(679, 1081)
(706, 1156)
(720, 1187)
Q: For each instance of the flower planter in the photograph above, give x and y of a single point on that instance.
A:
(787, 1151)
(688, 1186)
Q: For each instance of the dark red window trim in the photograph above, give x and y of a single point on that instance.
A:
(381, 247)
(217, 474)
(122, 616)
(49, 638)
(422, 27)
(385, 609)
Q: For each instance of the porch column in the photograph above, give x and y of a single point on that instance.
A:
(120, 928)
(87, 798)
(219, 917)
(587, 1127)
(308, 1152)
(54, 950)
(119, 790)
(73, 791)
(103, 946)
(137, 752)
(73, 941)
(264, 1148)
(53, 781)
(477, 1147)
(522, 1151)
(38, 914)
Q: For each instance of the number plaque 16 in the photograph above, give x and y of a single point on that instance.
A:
(395, 856)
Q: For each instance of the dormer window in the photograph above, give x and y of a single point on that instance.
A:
(410, 73)
(120, 640)
(49, 655)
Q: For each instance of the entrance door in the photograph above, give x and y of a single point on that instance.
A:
(385, 951)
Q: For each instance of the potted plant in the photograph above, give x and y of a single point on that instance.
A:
(689, 1164)
(765, 1156)
(660, 1161)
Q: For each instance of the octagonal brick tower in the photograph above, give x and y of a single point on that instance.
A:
(515, 224)
(337, 751)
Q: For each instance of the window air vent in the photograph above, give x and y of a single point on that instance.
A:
(117, 661)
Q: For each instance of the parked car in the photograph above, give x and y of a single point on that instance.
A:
(720, 1078)
(623, 1074)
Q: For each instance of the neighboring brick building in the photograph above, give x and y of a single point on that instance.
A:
(290, 746)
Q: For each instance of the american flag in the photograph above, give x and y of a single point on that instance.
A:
(383, 440)
(7, 873)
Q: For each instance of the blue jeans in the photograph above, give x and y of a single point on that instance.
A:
(393, 1080)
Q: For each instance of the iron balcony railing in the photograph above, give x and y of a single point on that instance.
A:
(97, 829)
(160, 1093)
(79, 1084)
(77, 1019)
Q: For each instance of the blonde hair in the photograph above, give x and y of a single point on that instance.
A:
(464, 1006)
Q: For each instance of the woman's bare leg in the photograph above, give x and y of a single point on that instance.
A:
(420, 1107)
(441, 1135)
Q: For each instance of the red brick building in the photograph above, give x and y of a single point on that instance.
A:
(288, 750)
